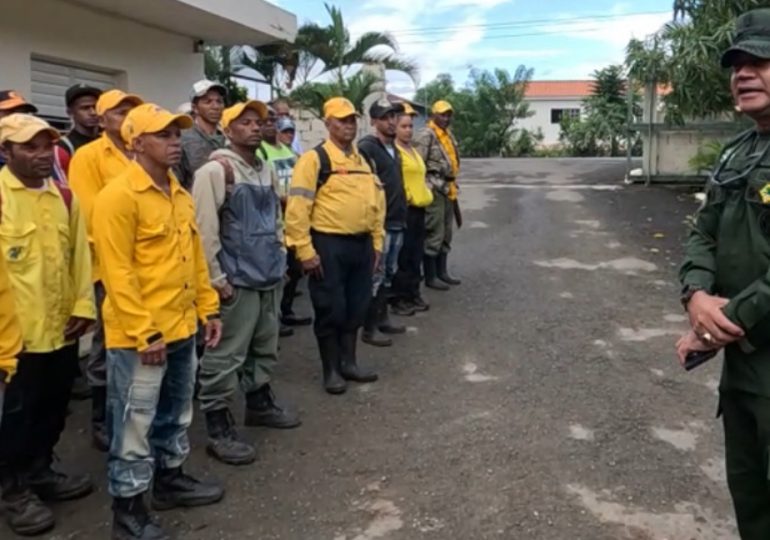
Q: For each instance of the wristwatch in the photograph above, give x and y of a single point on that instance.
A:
(688, 291)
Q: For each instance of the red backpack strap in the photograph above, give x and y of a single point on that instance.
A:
(66, 195)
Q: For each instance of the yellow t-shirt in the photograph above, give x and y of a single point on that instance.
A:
(418, 193)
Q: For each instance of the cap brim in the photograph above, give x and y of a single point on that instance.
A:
(131, 98)
(342, 115)
(218, 87)
(27, 134)
(19, 104)
(163, 121)
(758, 49)
(90, 92)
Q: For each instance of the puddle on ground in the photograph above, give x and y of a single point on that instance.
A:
(688, 521)
(628, 265)
(564, 196)
(476, 199)
(581, 433)
(681, 439)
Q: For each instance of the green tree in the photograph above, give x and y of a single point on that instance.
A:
(604, 122)
(685, 54)
(356, 88)
(486, 110)
(217, 65)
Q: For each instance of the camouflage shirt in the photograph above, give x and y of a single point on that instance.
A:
(437, 163)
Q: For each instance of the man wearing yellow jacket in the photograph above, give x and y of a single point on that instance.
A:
(10, 333)
(158, 289)
(335, 221)
(438, 148)
(92, 167)
(43, 241)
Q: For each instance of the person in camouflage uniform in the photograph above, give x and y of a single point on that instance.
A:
(438, 148)
(726, 279)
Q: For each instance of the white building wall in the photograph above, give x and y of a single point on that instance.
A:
(157, 65)
(542, 117)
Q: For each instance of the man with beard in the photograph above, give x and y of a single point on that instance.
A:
(380, 150)
(158, 291)
(205, 136)
(238, 212)
(43, 240)
(334, 221)
(438, 149)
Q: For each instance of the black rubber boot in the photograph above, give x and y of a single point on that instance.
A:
(419, 303)
(224, 444)
(99, 438)
(51, 485)
(132, 521)
(262, 409)
(371, 334)
(24, 512)
(443, 273)
(175, 489)
(402, 308)
(431, 277)
(384, 323)
(329, 348)
(349, 367)
(290, 319)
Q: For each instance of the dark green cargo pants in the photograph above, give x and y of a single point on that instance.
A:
(746, 420)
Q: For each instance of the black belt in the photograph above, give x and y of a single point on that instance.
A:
(358, 236)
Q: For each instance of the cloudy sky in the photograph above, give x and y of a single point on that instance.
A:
(560, 39)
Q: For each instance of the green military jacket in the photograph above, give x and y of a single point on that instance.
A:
(437, 162)
(728, 254)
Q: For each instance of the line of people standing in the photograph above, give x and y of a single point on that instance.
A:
(183, 241)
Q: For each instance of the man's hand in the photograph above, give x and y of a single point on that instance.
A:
(225, 290)
(312, 267)
(709, 321)
(213, 333)
(690, 342)
(377, 260)
(76, 327)
(155, 354)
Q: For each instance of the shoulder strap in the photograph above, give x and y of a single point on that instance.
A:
(229, 172)
(68, 144)
(326, 166)
(66, 195)
(262, 152)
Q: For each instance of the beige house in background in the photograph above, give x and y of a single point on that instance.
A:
(149, 47)
(550, 101)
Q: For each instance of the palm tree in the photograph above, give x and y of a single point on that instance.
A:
(356, 88)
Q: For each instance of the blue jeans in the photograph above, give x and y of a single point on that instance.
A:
(391, 247)
(149, 409)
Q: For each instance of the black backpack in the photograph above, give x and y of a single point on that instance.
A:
(326, 167)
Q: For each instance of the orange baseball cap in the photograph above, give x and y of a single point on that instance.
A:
(150, 118)
(112, 98)
(12, 100)
(231, 113)
(339, 107)
(21, 128)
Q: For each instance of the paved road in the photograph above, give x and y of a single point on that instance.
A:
(539, 400)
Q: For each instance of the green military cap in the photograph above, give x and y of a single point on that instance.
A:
(752, 36)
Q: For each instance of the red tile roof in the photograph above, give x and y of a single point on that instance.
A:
(554, 89)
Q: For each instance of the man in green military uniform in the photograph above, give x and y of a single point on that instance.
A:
(438, 148)
(726, 279)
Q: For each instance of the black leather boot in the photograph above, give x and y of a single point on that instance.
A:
(24, 511)
(385, 325)
(419, 303)
(329, 348)
(224, 444)
(431, 277)
(443, 273)
(175, 489)
(132, 521)
(262, 409)
(371, 334)
(99, 438)
(51, 485)
(349, 367)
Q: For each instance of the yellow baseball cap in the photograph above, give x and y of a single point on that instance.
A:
(150, 118)
(21, 128)
(231, 113)
(339, 107)
(408, 109)
(441, 107)
(112, 98)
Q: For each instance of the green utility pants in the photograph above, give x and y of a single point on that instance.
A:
(248, 351)
(746, 420)
(439, 220)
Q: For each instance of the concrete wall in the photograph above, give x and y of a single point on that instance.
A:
(159, 66)
(542, 117)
